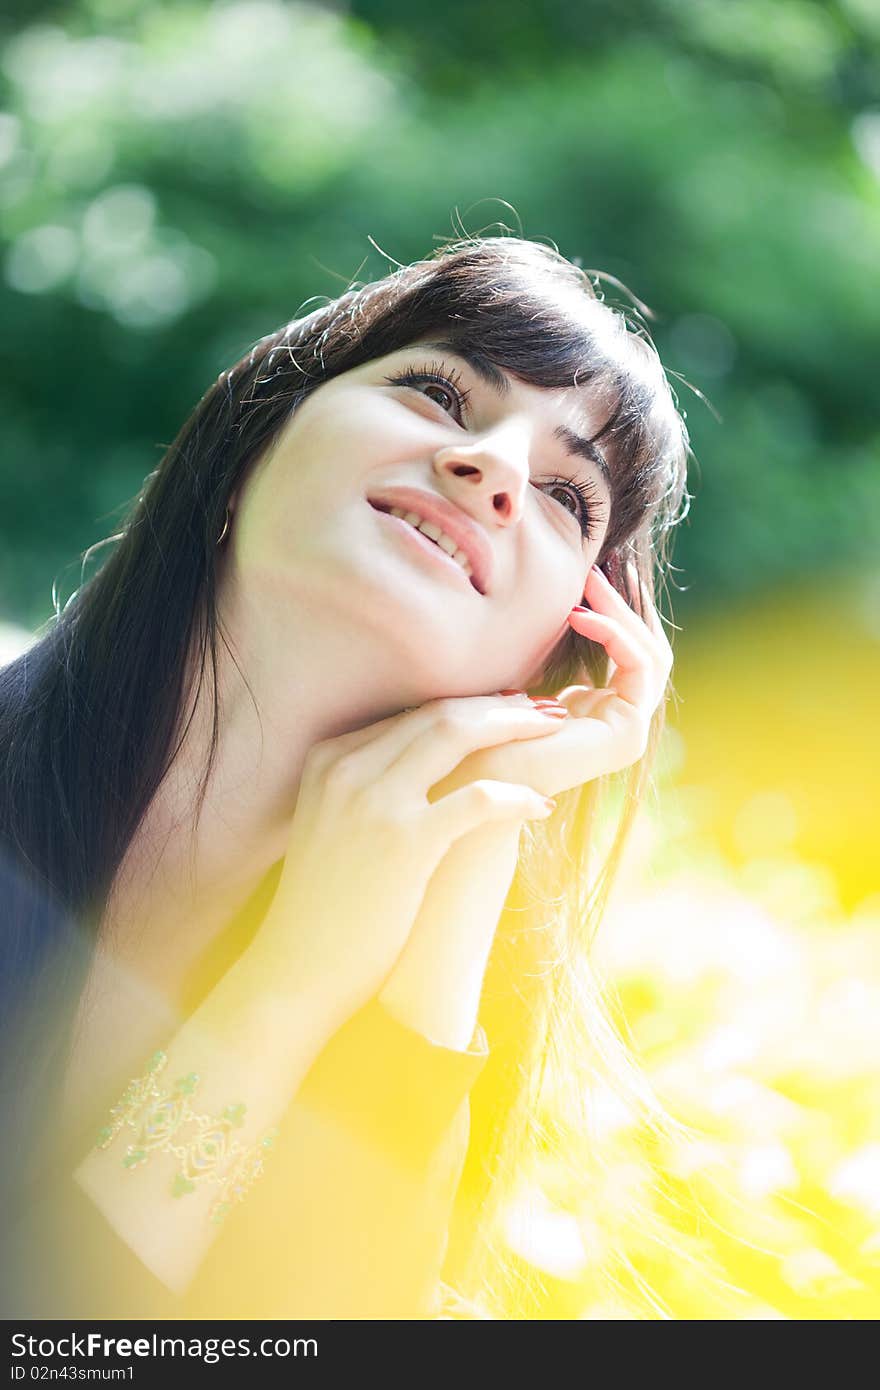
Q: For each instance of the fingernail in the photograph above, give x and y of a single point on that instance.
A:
(549, 804)
(550, 707)
(581, 608)
(511, 692)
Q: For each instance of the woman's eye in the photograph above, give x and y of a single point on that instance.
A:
(566, 498)
(441, 387)
(441, 395)
(581, 500)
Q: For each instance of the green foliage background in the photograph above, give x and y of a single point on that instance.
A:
(178, 179)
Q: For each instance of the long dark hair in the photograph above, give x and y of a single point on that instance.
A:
(94, 713)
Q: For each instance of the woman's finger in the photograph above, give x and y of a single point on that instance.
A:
(582, 700)
(462, 727)
(604, 734)
(369, 752)
(650, 614)
(329, 750)
(644, 624)
(602, 597)
(633, 679)
(580, 750)
(483, 801)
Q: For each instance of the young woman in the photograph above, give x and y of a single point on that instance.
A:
(301, 801)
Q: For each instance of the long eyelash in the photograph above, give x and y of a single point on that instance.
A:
(589, 503)
(439, 373)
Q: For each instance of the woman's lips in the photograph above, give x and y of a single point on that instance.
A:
(424, 547)
(468, 534)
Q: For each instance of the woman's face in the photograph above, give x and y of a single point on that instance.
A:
(492, 468)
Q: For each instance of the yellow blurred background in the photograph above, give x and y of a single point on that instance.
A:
(742, 949)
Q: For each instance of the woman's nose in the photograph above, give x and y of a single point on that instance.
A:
(494, 473)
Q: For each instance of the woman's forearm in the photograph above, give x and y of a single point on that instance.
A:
(251, 1041)
(436, 984)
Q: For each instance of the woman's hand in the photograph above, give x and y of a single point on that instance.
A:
(610, 727)
(365, 840)
(436, 983)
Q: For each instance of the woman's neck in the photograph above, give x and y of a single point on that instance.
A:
(185, 877)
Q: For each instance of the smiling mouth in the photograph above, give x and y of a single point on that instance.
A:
(430, 532)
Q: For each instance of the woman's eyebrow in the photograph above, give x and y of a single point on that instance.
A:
(484, 369)
(575, 444)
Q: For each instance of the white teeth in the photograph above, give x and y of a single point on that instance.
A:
(434, 533)
(461, 560)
